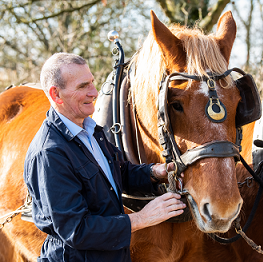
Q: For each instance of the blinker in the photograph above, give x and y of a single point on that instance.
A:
(214, 110)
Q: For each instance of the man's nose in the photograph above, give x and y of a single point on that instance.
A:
(93, 92)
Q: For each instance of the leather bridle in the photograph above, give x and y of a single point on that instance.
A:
(171, 152)
(212, 149)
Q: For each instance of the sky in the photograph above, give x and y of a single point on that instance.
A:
(238, 56)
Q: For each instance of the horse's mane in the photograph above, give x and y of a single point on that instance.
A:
(202, 52)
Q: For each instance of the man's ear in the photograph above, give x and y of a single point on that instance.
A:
(54, 94)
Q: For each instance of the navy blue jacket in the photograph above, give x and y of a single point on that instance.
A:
(73, 201)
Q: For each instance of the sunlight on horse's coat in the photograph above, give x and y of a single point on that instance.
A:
(9, 155)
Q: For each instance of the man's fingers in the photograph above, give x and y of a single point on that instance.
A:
(169, 203)
(176, 207)
(161, 208)
(170, 195)
(176, 213)
(170, 166)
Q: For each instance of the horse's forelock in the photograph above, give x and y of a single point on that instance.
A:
(203, 54)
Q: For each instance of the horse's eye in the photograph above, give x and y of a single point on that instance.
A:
(177, 106)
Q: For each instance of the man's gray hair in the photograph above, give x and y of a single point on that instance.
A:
(51, 71)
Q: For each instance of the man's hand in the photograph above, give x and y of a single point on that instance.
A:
(159, 170)
(158, 210)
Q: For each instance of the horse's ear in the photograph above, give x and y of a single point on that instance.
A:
(171, 47)
(226, 34)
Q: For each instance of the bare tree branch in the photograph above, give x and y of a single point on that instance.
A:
(168, 8)
(247, 25)
(238, 14)
(40, 36)
(13, 46)
(188, 12)
(69, 10)
(212, 17)
(32, 30)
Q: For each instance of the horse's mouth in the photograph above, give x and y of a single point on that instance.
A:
(208, 226)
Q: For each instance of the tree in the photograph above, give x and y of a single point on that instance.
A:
(250, 21)
(188, 12)
(247, 24)
(31, 31)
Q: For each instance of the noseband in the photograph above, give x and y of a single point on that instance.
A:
(215, 111)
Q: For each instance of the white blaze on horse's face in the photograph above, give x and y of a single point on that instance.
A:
(210, 216)
(221, 129)
(203, 88)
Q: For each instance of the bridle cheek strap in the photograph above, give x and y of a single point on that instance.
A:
(171, 151)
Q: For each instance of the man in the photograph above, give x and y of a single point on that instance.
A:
(75, 176)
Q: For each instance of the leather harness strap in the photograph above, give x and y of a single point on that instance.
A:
(171, 151)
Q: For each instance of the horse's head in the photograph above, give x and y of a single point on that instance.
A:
(214, 197)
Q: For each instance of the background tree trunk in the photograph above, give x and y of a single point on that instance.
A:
(188, 12)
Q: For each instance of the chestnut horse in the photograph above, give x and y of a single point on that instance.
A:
(211, 182)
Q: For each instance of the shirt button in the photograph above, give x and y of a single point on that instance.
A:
(101, 138)
(110, 161)
(111, 188)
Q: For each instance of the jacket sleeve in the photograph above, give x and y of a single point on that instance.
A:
(59, 202)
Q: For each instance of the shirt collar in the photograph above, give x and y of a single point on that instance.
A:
(89, 125)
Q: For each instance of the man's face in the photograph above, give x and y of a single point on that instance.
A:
(78, 95)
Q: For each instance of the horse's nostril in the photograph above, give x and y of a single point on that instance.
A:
(206, 212)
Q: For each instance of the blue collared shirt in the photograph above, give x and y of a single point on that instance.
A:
(86, 136)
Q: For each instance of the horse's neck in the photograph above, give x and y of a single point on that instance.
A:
(247, 142)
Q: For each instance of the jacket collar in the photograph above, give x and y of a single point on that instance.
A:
(54, 118)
